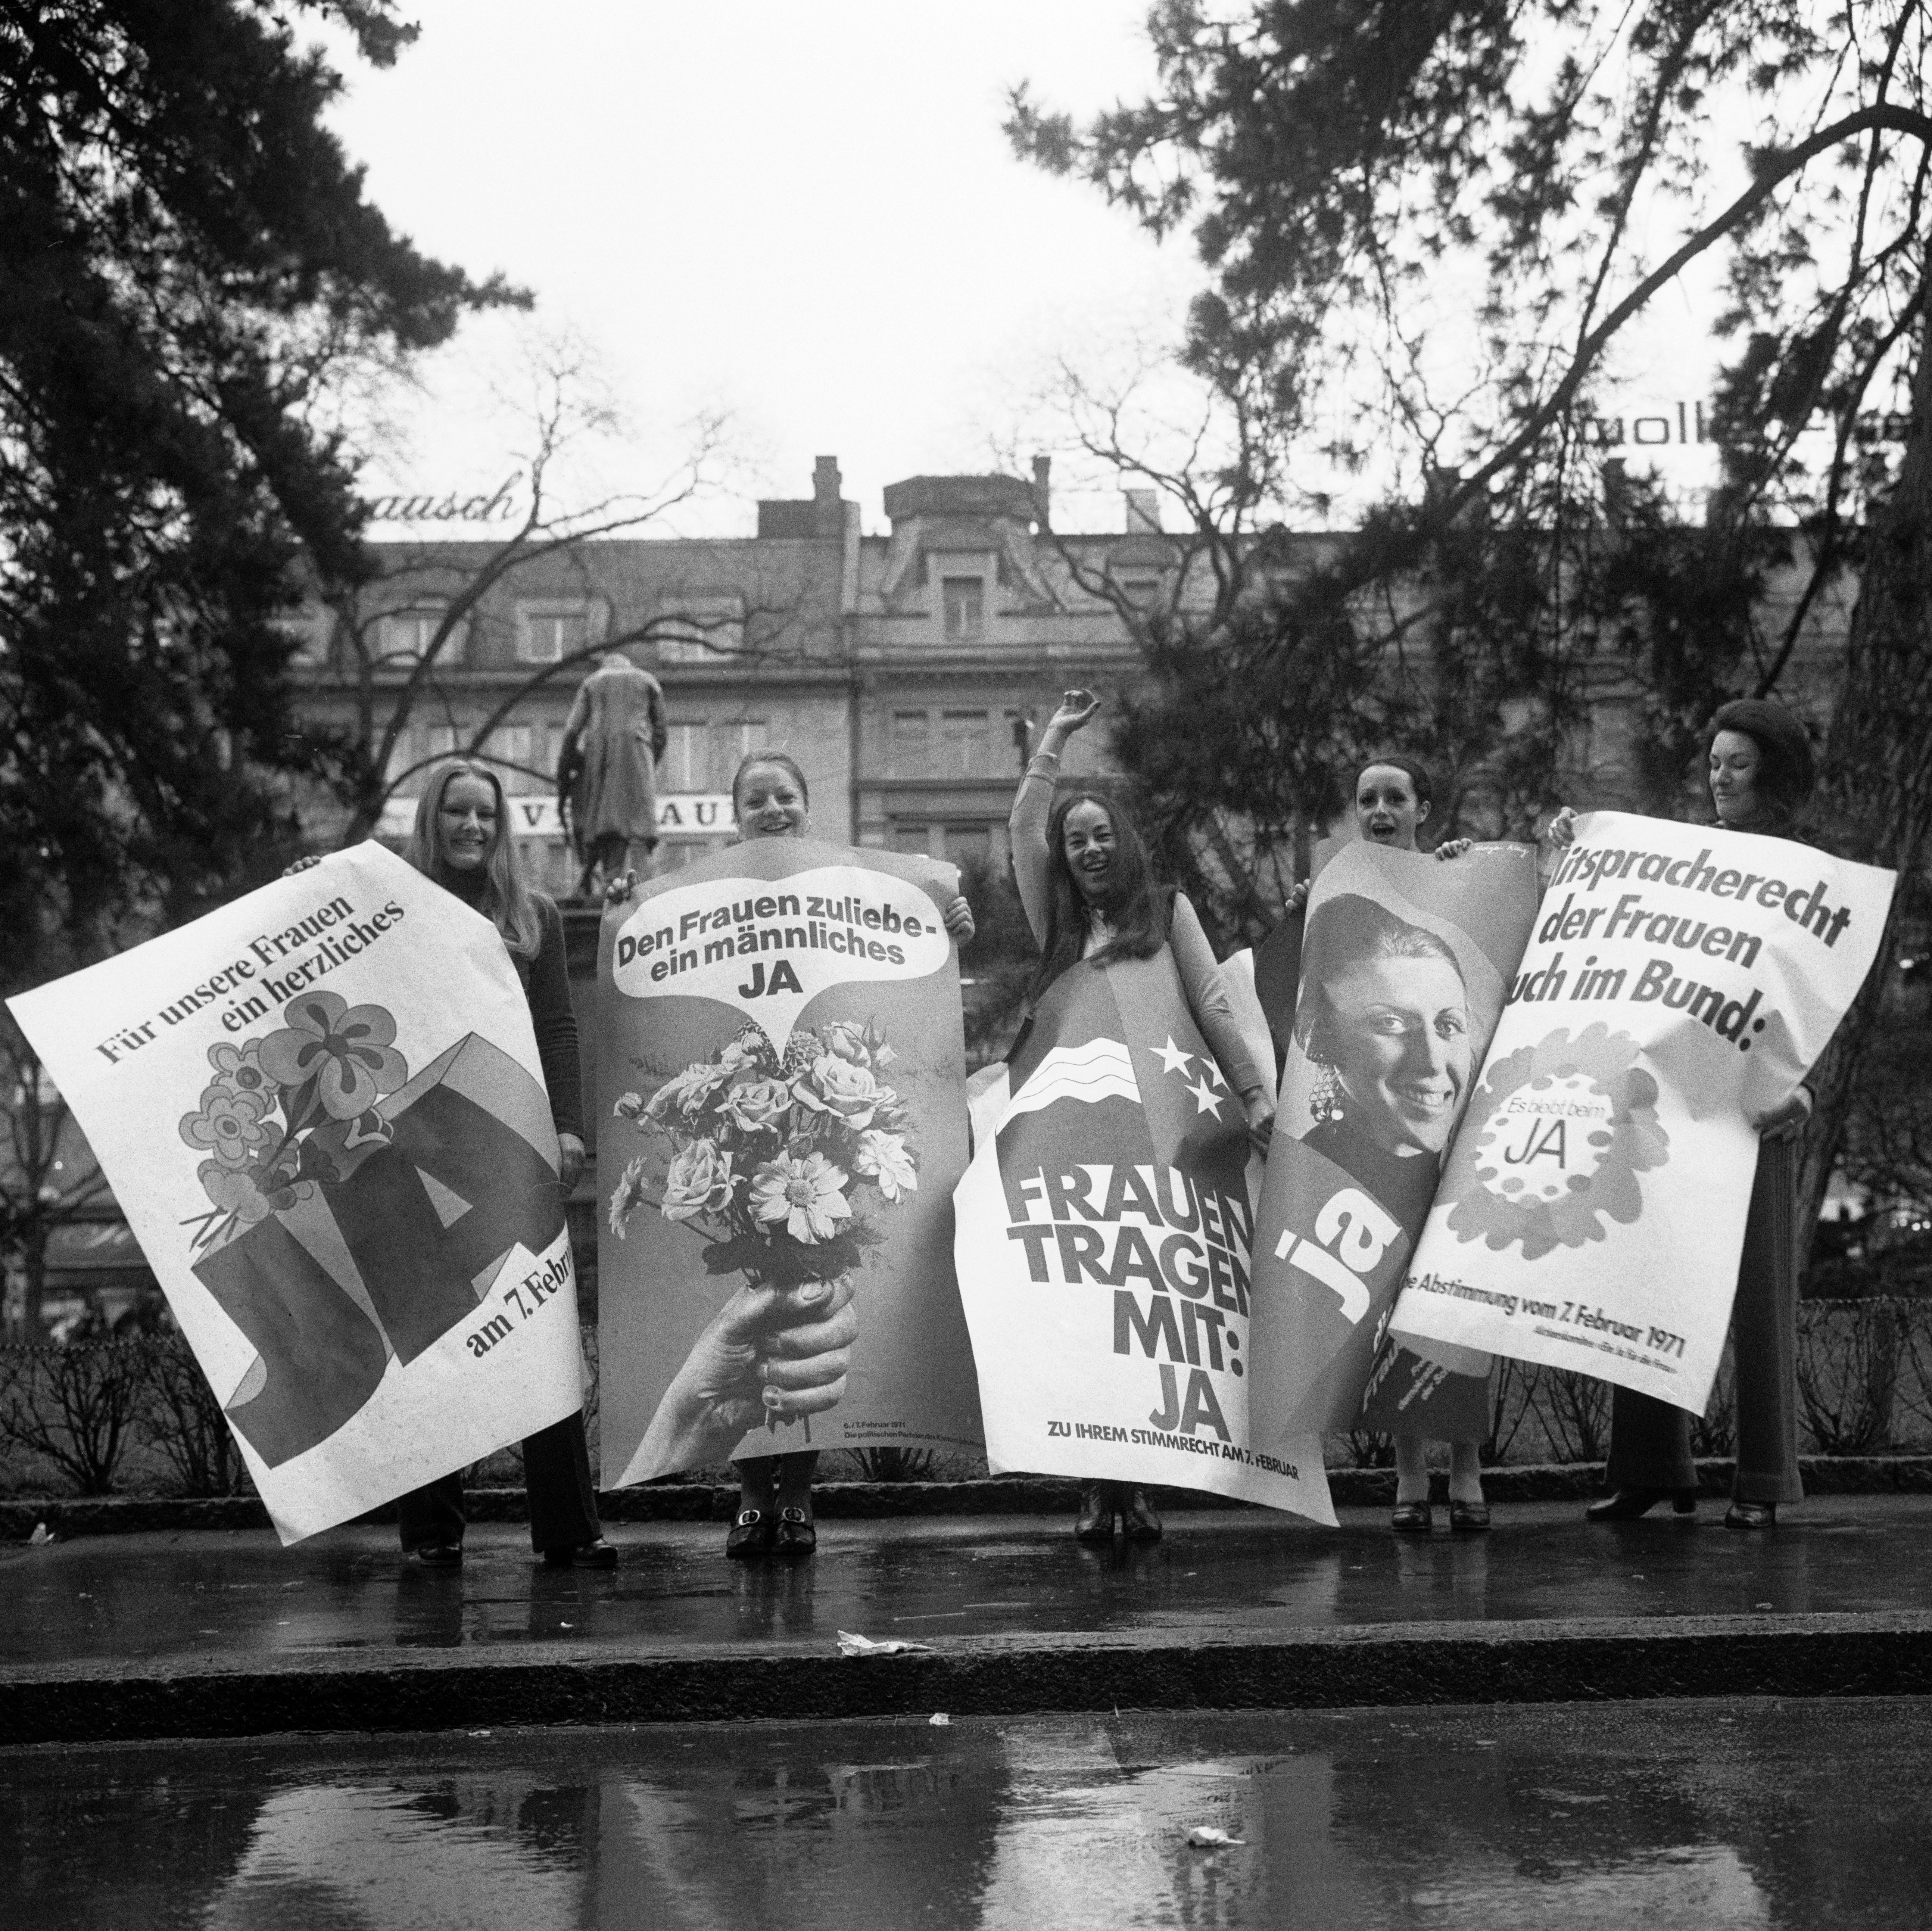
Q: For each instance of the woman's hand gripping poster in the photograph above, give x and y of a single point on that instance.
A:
(1103, 1245)
(322, 1110)
(1681, 981)
(782, 1084)
(1404, 964)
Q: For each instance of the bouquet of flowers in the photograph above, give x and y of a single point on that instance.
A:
(281, 1110)
(775, 1160)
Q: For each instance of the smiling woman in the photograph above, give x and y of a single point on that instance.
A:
(1390, 1030)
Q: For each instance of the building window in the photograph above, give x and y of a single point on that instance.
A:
(911, 837)
(512, 751)
(405, 636)
(547, 633)
(686, 764)
(965, 750)
(732, 743)
(970, 845)
(702, 629)
(910, 754)
(964, 601)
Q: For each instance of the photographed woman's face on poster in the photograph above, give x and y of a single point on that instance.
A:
(1400, 1038)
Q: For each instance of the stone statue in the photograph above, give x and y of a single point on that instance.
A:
(607, 769)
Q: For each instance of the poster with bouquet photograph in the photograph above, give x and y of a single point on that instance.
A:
(781, 1073)
(322, 1110)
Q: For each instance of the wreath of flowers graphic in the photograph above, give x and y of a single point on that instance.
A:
(770, 1158)
(1554, 1141)
(281, 1108)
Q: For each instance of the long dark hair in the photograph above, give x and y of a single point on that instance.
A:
(507, 900)
(1786, 773)
(1139, 910)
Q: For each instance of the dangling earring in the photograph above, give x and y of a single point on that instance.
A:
(1325, 1101)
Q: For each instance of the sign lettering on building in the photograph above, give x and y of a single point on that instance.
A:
(681, 814)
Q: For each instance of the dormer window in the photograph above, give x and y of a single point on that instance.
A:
(963, 601)
(548, 632)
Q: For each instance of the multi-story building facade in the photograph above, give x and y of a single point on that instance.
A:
(897, 670)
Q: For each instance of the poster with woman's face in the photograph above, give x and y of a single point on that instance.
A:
(1405, 960)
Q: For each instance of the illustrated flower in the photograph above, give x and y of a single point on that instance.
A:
(846, 1040)
(685, 1091)
(627, 1196)
(239, 1068)
(628, 1106)
(838, 1086)
(808, 1195)
(701, 1181)
(346, 1049)
(758, 1105)
(230, 1125)
(240, 1192)
(883, 1158)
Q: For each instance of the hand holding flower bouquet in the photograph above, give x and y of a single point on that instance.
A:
(783, 1163)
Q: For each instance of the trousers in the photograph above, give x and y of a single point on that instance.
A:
(557, 1476)
(1650, 1440)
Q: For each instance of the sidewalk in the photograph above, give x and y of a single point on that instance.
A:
(227, 1634)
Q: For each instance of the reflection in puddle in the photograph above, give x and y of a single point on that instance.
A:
(1731, 1814)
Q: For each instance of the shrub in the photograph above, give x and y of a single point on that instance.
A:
(75, 1407)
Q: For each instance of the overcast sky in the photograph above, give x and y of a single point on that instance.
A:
(804, 215)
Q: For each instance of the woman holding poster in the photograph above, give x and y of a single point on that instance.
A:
(802, 1366)
(1388, 1028)
(1089, 894)
(462, 841)
(1760, 769)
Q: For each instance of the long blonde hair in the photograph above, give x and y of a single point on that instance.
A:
(507, 900)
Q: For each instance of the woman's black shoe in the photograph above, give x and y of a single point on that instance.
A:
(1411, 1518)
(1095, 1521)
(1467, 1518)
(1625, 1505)
(795, 1536)
(1138, 1522)
(440, 1555)
(1751, 1515)
(751, 1536)
(595, 1554)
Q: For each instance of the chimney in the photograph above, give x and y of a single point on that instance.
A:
(1042, 490)
(828, 517)
(1143, 511)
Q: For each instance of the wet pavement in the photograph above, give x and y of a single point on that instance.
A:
(1761, 1813)
(239, 1598)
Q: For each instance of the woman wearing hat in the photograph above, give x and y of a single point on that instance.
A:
(1761, 776)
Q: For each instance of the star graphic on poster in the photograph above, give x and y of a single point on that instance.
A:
(1214, 1074)
(1205, 1100)
(1172, 1059)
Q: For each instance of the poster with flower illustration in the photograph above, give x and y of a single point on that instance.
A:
(782, 1120)
(322, 1111)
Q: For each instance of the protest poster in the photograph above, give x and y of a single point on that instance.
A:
(1681, 980)
(1404, 961)
(782, 1066)
(322, 1110)
(1103, 1243)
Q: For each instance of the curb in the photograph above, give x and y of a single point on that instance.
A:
(676, 1501)
(1598, 1661)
